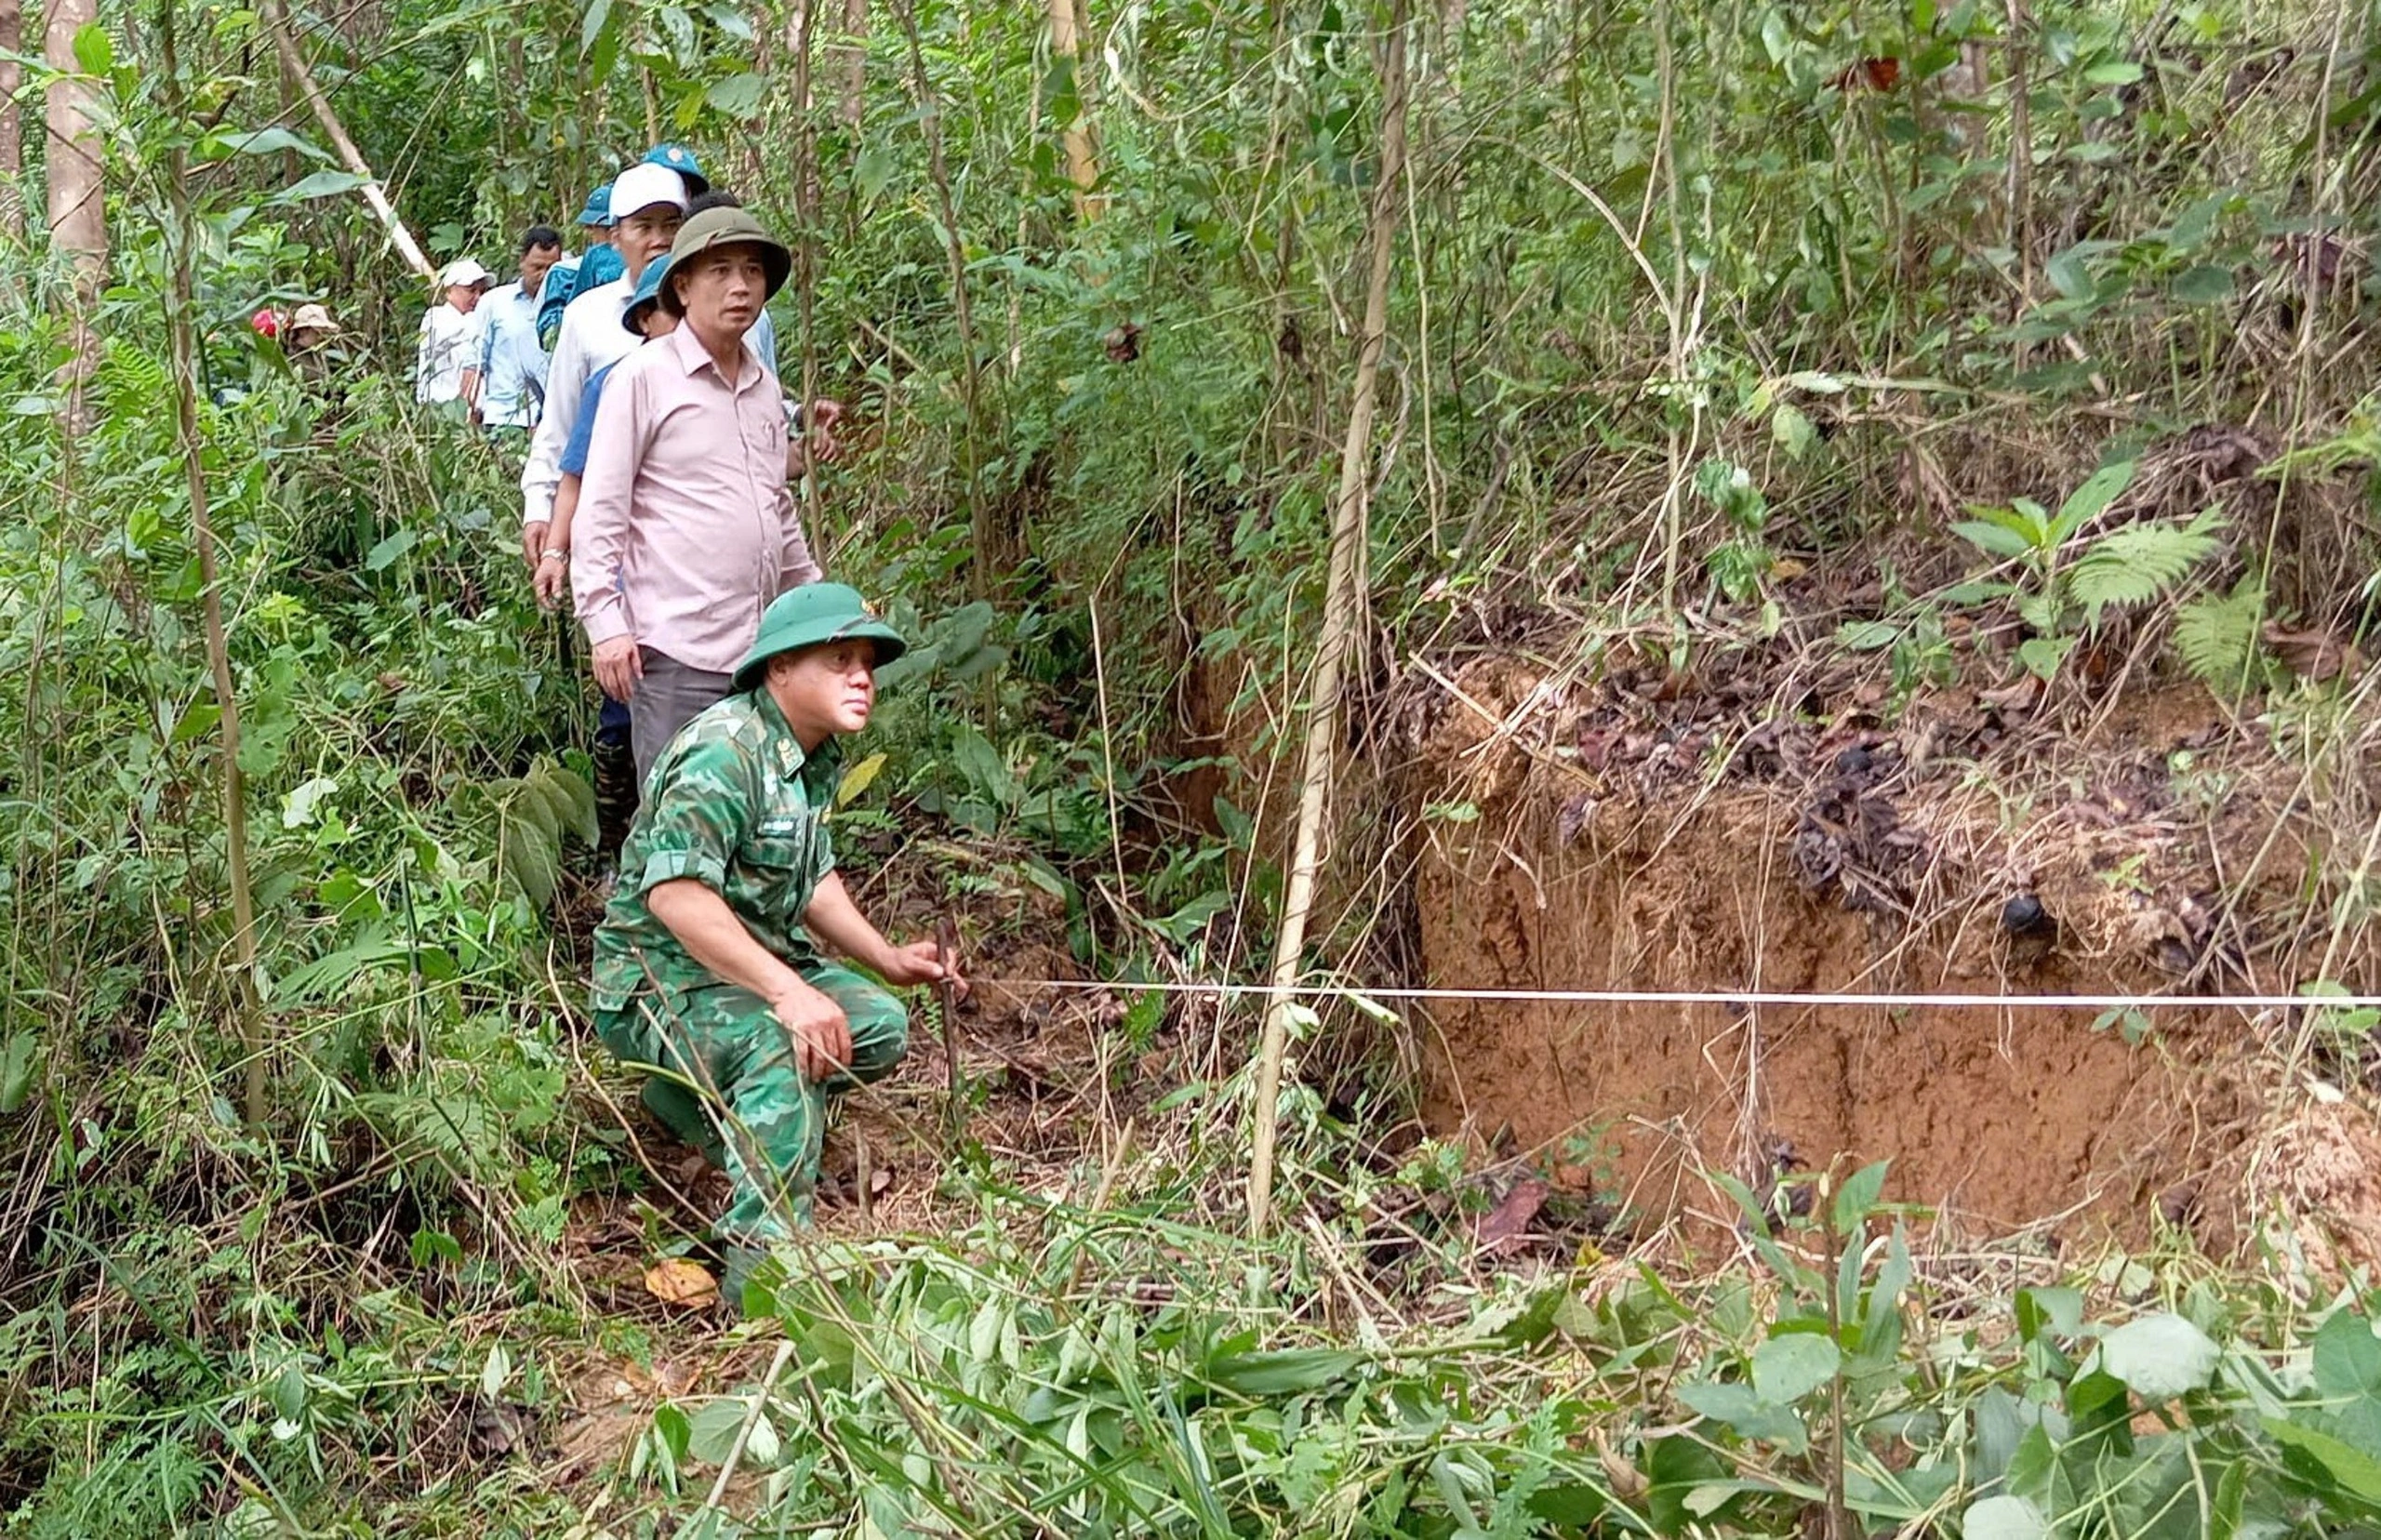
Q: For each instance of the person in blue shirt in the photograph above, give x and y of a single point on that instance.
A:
(576, 275)
(512, 363)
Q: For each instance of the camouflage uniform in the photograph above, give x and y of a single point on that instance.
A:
(735, 803)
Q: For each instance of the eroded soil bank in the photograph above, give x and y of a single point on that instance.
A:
(1596, 839)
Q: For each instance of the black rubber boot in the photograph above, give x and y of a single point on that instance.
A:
(616, 796)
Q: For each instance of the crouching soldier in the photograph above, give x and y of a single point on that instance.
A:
(708, 969)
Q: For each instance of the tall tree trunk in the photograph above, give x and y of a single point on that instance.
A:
(1074, 134)
(1343, 611)
(853, 100)
(12, 144)
(78, 225)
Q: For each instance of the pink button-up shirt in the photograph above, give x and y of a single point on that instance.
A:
(685, 530)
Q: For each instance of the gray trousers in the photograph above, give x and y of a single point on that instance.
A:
(670, 696)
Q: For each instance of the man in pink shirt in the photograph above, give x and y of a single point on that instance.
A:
(685, 529)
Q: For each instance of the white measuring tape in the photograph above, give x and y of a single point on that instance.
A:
(1722, 997)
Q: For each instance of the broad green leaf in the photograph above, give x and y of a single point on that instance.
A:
(94, 50)
(1750, 1413)
(1792, 430)
(858, 778)
(2068, 276)
(2159, 1357)
(1787, 1367)
(2204, 284)
(2043, 655)
(1856, 1198)
(1994, 540)
(18, 1062)
(320, 184)
(1285, 1372)
(2352, 1469)
(2348, 1355)
(385, 552)
(2057, 1311)
(260, 141)
(1866, 635)
(2091, 500)
(739, 96)
(2115, 72)
(591, 24)
(2003, 1518)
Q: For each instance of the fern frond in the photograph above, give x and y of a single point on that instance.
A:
(2217, 638)
(2134, 564)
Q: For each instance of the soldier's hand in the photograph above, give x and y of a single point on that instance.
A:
(820, 1032)
(921, 962)
(551, 581)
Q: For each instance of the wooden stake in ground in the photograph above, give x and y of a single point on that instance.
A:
(285, 42)
(1082, 165)
(946, 951)
(1343, 610)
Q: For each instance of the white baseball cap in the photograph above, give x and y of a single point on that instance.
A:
(640, 187)
(467, 273)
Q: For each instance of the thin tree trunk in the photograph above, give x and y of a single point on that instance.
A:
(1343, 612)
(853, 105)
(12, 142)
(285, 42)
(244, 993)
(1074, 134)
(78, 225)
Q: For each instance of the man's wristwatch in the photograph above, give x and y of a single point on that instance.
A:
(554, 553)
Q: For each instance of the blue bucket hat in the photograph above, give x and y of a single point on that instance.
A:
(648, 293)
(598, 211)
(678, 158)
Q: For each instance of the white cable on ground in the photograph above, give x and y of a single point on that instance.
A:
(1725, 997)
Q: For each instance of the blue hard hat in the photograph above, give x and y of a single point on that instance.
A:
(598, 211)
(678, 158)
(648, 293)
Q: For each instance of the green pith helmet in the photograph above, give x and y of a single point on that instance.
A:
(720, 227)
(811, 615)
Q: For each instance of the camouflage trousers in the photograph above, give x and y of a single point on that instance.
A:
(725, 1080)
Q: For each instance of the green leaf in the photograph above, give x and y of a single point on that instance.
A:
(2159, 1357)
(2058, 1311)
(1791, 431)
(2203, 284)
(591, 24)
(2068, 276)
(2091, 500)
(259, 141)
(1284, 1372)
(2217, 638)
(2351, 1468)
(2003, 1518)
(320, 184)
(1749, 1413)
(2131, 566)
(858, 778)
(739, 96)
(18, 1062)
(2115, 72)
(872, 168)
(1994, 540)
(1866, 635)
(2043, 655)
(1787, 1367)
(94, 50)
(2348, 1355)
(385, 552)
(1857, 1198)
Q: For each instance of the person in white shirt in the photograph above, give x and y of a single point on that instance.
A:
(649, 202)
(512, 367)
(446, 360)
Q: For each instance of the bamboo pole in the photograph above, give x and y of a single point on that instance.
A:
(1343, 609)
(245, 992)
(292, 65)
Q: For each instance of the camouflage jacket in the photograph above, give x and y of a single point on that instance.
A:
(733, 803)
